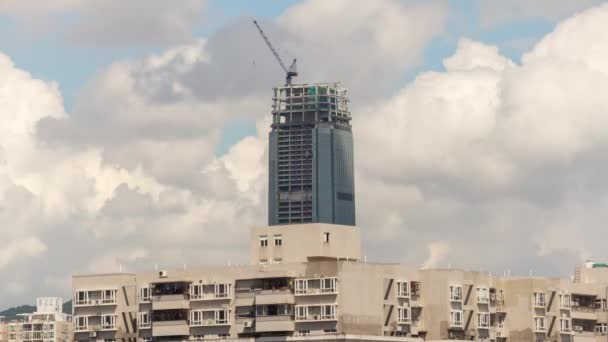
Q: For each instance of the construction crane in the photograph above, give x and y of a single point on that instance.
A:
(292, 71)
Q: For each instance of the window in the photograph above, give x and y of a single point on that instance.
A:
(456, 293)
(540, 324)
(404, 315)
(483, 295)
(564, 301)
(108, 296)
(82, 297)
(456, 318)
(403, 289)
(483, 320)
(263, 261)
(301, 286)
(326, 237)
(565, 325)
(500, 320)
(144, 295)
(303, 332)
(330, 331)
(328, 285)
(222, 290)
(263, 241)
(539, 299)
(222, 317)
(301, 312)
(601, 328)
(278, 260)
(108, 322)
(344, 196)
(278, 240)
(143, 320)
(328, 312)
(81, 322)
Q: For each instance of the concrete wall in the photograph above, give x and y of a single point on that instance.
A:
(299, 242)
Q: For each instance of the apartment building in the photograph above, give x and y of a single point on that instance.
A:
(47, 324)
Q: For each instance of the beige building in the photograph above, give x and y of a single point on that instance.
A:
(47, 324)
(308, 282)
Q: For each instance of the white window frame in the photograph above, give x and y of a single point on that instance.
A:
(333, 285)
(223, 290)
(84, 301)
(301, 286)
(540, 324)
(278, 240)
(483, 295)
(404, 315)
(328, 312)
(483, 320)
(263, 240)
(145, 295)
(108, 296)
(540, 299)
(301, 312)
(196, 291)
(565, 301)
(110, 324)
(81, 323)
(456, 318)
(196, 317)
(326, 237)
(143, 320)
(500, 320)
(403, 289)
(565, 325)
(218, 317)
(456, 293)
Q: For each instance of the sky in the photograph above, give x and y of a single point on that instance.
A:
(134, 133)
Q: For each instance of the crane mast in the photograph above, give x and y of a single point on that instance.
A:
(292, 70)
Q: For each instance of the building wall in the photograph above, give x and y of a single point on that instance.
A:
(299, 242)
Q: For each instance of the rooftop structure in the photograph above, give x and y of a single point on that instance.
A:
(311, 166)
(47, 324)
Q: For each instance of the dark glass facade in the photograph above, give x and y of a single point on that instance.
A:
(311, 171)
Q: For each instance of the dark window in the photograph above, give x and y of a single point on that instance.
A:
(343, 196)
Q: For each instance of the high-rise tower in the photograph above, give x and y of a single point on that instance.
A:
(311, 171)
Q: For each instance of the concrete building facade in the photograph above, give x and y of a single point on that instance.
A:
(47, 324)
(333, 295)
(311, 163)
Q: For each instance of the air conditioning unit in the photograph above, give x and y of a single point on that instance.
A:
(248, 324)
(93, 334)
(162, 274)
(578, 328)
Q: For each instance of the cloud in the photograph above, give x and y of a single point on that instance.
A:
(505, 157)
(133, 169)
(494, 12)
(23, 248)
(97, 23)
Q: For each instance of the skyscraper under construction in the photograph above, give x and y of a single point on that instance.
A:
(311, 177)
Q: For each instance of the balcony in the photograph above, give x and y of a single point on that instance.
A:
(171, 328)
(200, 292)
(209, 318)
(316, 286)
(274, 323)
(316, 313)
(98, 297)
(583, 312)
(170, 302)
